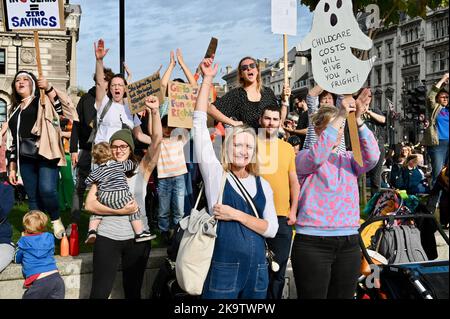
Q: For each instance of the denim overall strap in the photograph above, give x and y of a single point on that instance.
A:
(238, 268)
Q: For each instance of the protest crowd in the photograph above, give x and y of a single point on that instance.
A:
(279, 179)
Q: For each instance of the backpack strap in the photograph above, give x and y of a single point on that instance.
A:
(96, 125)
(408, 241)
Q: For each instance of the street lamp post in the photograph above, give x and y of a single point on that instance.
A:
(17, 42)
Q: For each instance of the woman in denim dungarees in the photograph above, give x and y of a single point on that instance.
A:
(239, 267)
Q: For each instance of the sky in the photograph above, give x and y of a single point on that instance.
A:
(155, 27)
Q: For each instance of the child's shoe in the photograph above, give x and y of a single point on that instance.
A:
(145, 235)
(92, 236)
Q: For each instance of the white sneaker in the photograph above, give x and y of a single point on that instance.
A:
(58, 228)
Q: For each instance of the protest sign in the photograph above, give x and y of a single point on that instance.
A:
(34, 15)
(138, 91)
(334, 33)
(182, 99)
(284, 17)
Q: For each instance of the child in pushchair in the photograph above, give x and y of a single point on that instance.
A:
(398, 247)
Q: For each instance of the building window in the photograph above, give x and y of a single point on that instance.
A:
(378, 75)
(416, 56)
(389, 49)
(2, 62)
(378, 100)
(379, 51)
(445, 27)
(2, 111)
(389, 73)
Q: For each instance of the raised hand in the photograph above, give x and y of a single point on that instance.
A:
(100, 50)
(152, 102)
(363, 102)
(128, 72)
(207, 67)
(172, 59)
(180, 57)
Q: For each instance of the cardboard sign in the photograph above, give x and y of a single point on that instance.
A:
(34, 15)
(138, 91)
(334, 33)
(182, 99)
(284, 17)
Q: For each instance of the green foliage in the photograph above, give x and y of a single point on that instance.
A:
(389, 10)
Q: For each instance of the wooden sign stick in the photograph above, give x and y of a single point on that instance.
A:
(39, 65)
(286, 79)
(354, 138)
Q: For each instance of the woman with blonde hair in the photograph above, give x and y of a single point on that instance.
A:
(243, 105)
(325, 253)
(238, 268)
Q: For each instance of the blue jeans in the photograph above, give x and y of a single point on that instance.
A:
(171, 199)
(439, 156)
(40, 180)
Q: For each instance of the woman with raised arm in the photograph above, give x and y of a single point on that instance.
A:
(115, 242)
(238, 268)
(325, 254)
(113, 112)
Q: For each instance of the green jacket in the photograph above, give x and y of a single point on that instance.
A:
(430, 136)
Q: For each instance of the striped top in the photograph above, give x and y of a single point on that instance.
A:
(110, 176)
(171, 161)
(311, 136)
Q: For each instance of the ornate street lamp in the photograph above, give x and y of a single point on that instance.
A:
(17, 42)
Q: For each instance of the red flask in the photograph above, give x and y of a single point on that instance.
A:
(74, 248)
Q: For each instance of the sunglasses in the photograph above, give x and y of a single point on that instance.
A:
(245, 67)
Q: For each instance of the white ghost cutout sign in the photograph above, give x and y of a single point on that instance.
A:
(334, 33)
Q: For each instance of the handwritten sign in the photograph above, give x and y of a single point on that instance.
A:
(138, 91)
(334, 33)
(182, 99)
(284, 17)
(34, 15)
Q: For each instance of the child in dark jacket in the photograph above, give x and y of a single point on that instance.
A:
(35, 250)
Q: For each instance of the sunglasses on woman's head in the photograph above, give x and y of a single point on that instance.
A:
(245, 67)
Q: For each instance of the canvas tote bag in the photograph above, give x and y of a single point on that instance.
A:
(196, 247)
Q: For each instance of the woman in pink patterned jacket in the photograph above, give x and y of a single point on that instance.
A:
(325, 253)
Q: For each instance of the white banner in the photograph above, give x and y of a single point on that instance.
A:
(284, 17)
(34, 14)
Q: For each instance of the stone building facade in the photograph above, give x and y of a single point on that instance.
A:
(58, 55)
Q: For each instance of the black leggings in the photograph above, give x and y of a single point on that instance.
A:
(326, 267)
(107, 256)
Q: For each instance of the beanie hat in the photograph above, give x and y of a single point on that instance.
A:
(123, 135)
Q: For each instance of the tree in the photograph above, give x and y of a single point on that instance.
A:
(389, 10)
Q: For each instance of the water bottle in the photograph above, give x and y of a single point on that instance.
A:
(64, 248)
(74, 248)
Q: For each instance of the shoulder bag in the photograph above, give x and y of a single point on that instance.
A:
(196, 247)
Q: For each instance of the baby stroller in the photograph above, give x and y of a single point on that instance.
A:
(397, 259)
